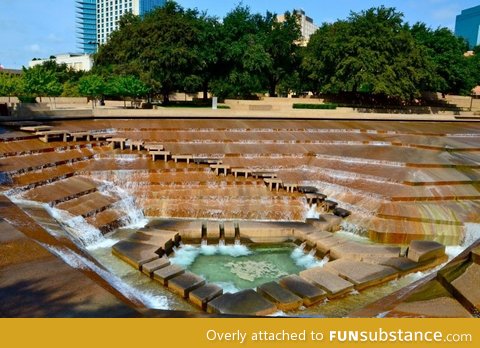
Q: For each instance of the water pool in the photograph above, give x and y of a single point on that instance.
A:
(239, 267)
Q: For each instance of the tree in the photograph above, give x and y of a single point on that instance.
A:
(159, 48)
(281, 44)
(243, 58)
(92, 86)
(40, 82)
(370, 53)
(127, 86)
(446, 52)
(9, 85)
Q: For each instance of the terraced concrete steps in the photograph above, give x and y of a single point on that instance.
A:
(88, 204)
(62, 191)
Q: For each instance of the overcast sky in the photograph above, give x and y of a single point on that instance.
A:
(40, 28)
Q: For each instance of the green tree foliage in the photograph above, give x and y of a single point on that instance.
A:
(243, 58)
(159, 48)
(371, 52)
(39, 81)
(9, 85)
(92, 86)
(127, 87)
(452, 72)
(281, 44)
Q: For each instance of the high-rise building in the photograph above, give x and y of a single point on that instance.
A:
(87, 25)
(468, 25)
(97, 19)
(307, 27)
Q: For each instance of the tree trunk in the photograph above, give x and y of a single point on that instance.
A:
(205, 90)
(272, 89)
(166, 98)
(124, 103)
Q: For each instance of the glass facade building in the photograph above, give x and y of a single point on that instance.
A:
(97, 19)
(467, 25)
(86, 20)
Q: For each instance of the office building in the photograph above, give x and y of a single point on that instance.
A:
(97, 19)
(467, 26)
(307, 27)
(78, 62)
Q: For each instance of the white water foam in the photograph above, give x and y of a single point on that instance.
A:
(135, 294)
(186, 255)
(312, 212)
(307, 260)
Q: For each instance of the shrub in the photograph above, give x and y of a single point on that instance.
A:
(27, 99)
(327, 106)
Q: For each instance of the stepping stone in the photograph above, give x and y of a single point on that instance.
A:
(185, 283)
(476, 255)
(309, 293)
(358, 251)
(163, 275)
(468, 286)
(204, 294)
(442, 307)
(315, 236)
(136, 254)
(361, 274)
(284, 299)
(149, 268)
(325, 244)
(246, 302)
(424, 250)
(401, 264)
(331, 283)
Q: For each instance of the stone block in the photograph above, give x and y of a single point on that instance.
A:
(134, 253)
(468, 286)
(333, 284)
(476, 255)
(401, 264)
(309, 293)
(361, 274)
(324, 245)
(246, 302)
(423, 250)
(163, 275)
(357, 251)
(149, 268)
(204, 294)
(284, 299)
(184, 283)
(442, 307)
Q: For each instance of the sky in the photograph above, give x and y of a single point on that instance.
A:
(41, 28)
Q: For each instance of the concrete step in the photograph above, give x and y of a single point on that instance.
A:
(89, 204)
(334, 285)
(283, 298)
(106, 220)
(62, 191)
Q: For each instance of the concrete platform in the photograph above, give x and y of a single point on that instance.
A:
(324, 245)
(204, 294)
(184, 283)
(284, 299)
(358, 251)
(468, 286)
(421, 250)
(136, 254)
(163, 275)
(401, 264)
(246, 302)
(149, 268)
(476, 255)
(331, 283)
(361, 274)
(309, 293)
(442, 307)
